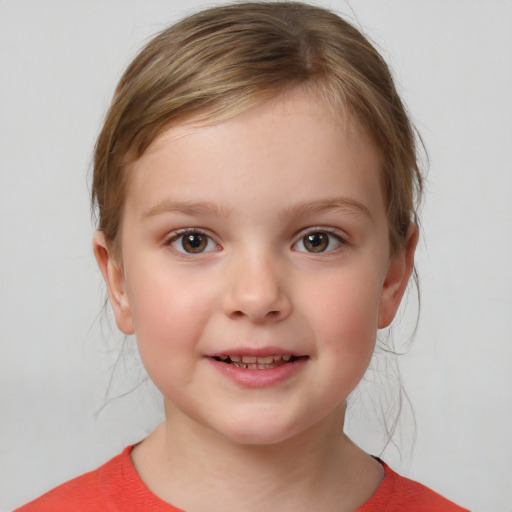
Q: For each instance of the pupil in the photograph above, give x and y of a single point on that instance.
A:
(194, 242)
(317, 242)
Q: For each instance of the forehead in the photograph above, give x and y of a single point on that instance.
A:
(308, 98)
(290, 149)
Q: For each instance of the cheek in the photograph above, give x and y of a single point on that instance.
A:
(344, 319)
(345, 302)
(168, 324)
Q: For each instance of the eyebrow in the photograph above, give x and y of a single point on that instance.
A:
(343, 204)
(185, 207)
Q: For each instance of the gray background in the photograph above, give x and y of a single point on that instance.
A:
(59, 62)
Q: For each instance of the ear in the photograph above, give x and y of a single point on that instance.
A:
(399, 270)
(113, 274)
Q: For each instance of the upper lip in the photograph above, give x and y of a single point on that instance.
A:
(256, 352)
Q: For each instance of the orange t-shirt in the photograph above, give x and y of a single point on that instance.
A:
(116, 486)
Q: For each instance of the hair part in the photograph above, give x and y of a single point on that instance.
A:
(222, 61)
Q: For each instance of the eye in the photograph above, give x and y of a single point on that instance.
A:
(318, 241)
(192, 241)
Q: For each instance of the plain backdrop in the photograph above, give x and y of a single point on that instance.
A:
(61, 406)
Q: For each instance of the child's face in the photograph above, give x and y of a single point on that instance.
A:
(264, 236)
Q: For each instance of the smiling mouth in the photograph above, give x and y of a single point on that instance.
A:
(258, 363)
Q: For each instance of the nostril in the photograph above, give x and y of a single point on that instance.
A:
(261, 303)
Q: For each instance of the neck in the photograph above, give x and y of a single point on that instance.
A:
(317, 469)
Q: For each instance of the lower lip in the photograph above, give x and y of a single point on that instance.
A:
(259, 378)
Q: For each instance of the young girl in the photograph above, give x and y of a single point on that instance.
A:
(256, 182)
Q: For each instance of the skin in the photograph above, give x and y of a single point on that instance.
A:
(255, 186)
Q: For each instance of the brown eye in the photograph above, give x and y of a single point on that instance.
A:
(316, 242)
(192, 242)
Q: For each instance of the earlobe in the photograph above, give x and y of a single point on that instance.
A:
(114, 279)
(398, 274)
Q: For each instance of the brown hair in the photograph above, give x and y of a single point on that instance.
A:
(221, 61)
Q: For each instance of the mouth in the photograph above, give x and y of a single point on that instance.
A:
(257, 362)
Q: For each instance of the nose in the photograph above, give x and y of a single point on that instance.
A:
(256, 291)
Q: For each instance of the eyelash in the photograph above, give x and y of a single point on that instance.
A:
(177, 235)
(340, 241)
(331, 234)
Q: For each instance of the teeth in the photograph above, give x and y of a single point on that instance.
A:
(254, 362)
(265, 360)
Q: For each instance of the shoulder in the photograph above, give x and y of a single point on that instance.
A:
(113, 487)
(397, 493)
(86, 493)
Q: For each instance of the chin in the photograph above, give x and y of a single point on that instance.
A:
(250, 437)
(260, 431)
